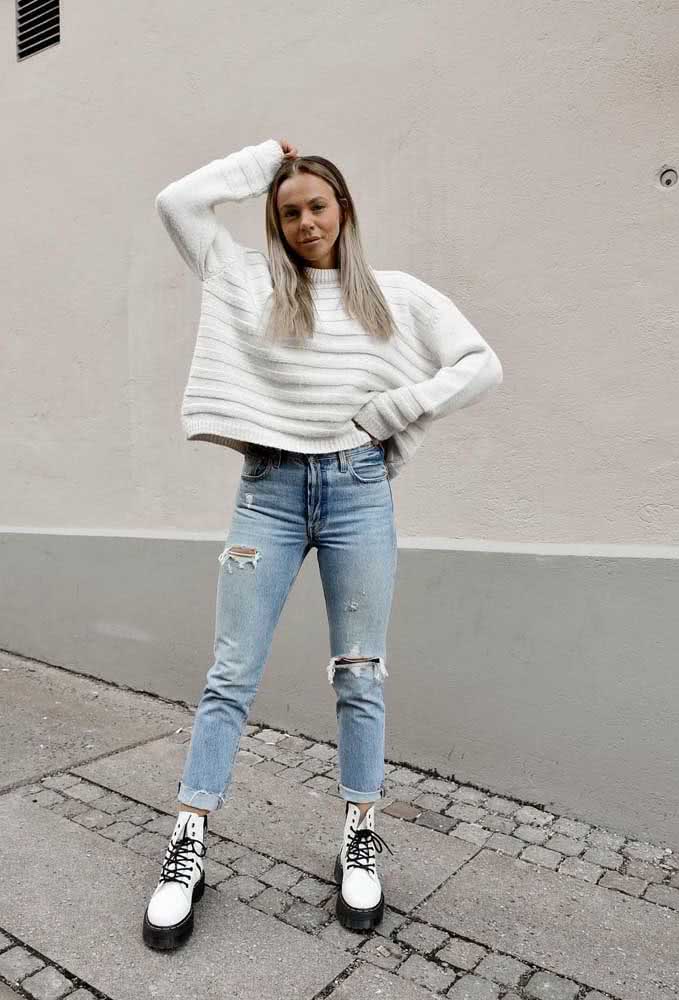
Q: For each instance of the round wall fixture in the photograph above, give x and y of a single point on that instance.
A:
(667, 177)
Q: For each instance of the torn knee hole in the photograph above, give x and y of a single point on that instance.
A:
(358, 664)
(240, 554)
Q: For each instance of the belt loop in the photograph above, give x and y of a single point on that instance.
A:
(278, 452)
(342, 460)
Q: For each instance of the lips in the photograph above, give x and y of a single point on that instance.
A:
(315, 240)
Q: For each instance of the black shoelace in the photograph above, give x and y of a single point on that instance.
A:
(358, 851)
(178, 864)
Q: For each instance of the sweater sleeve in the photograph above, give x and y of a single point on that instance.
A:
(186, 206)
(467, 368)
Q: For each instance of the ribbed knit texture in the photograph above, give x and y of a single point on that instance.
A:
(305, 398)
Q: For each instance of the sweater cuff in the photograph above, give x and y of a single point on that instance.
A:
(389, 412)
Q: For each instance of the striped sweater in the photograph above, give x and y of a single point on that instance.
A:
(306, 399)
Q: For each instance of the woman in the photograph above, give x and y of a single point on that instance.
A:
(325, 375)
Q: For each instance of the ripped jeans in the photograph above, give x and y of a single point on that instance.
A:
(287, 503)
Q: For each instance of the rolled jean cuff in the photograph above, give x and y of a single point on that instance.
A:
(351, 795)
(199, 798)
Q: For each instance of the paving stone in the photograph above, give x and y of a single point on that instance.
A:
(469, 794)
(112, 803)
(225, 851)
(644, 870)
(382, 952)
(502, 969)
(541, 856)
(605, 838)
(643, 852)
(435, 821)
(298, 774)
(400, 793)
(440, 786)
(531, 834)
(663, 894)
(111, 957)
(251, 863)
(315, 766)
(462, 954)
(508, 845)
(390, 922)
(93, 819)
(466, 812)
(48, 984)
(271, 901)
(429, 800)
(47, 797)
(577, 868)
(405, 776)
(294, 743)
(215, 873)
(473, 988)
(5, 942)
(304, 915)
(60, 781)
(594, 995)
(568, 846)
(120, 831)
(312, 890)
(288, 758)
(164, 825)
(81, 994)
(547, 920)
(472, 832)
(262, 750)
(422, 937)
(247, 757)
(86, 792)
(149, 845)
(320, 783)
(137, 814)
(281, 876)
(402, 810)
(269, 736)
(427, 974)
(546, 986)
(501, 824)
(571, 827)
(70, 808)
(603, 857)
(335, 934)
(373, 983)
(623, 883)
(528, 814)
(240, 887)
(28, 790)
(498, 804)
(322, 751)
(17, 962)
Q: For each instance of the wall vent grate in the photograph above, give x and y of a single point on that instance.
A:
(38, 26)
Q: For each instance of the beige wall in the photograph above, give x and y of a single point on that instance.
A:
(506, 153)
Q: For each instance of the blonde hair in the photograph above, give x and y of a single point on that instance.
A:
(291, 310)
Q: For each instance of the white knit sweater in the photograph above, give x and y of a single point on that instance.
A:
(305, 398)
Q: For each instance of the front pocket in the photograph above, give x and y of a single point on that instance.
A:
(256, 464)
(367, 465)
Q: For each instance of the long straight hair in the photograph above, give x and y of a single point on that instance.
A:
(291, 311)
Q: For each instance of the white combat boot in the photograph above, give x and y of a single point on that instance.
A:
(169, 915)
(360, 900)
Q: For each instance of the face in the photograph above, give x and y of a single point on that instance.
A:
(308, 210)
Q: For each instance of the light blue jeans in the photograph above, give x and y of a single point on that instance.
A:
(287, 503)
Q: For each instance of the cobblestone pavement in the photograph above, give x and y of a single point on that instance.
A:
(534, 906)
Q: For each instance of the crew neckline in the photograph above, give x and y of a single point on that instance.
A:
(323, 275)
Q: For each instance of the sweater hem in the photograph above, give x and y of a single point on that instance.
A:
(238, 434)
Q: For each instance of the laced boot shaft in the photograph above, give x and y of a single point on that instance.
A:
(360, 901)
(169, 915)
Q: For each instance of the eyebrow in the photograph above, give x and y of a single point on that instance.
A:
(293, 204)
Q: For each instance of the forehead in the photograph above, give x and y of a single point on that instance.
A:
(301, 188)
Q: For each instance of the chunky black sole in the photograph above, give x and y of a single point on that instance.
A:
(166, 938)
(350, 917)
